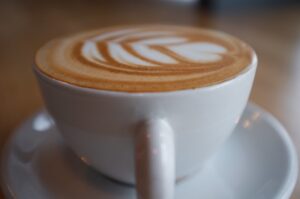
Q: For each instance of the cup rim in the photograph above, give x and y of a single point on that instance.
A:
(80, 89)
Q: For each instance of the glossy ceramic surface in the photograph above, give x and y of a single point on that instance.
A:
(258, 162)
(101, 126)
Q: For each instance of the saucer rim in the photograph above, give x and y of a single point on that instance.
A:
(291, 179)
(285, 191)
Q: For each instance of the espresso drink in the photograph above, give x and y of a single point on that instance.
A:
(151, 58)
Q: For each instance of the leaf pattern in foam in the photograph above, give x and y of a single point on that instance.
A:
(199, 52)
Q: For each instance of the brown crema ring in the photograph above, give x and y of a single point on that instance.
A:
(151, 58)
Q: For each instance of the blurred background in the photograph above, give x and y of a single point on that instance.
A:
(272, 27)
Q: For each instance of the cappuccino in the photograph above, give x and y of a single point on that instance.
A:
(150, 58)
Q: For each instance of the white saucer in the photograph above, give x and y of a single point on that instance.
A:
(258, 162)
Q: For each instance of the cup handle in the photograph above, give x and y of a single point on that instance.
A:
(155, 160)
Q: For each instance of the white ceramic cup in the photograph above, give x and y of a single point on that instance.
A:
(147, 139)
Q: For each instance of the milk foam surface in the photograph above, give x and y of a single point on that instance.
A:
(150, 58)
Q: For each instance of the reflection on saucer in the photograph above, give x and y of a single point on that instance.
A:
(258, 161)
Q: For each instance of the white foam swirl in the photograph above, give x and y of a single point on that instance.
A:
(199, 52)
(135, 47)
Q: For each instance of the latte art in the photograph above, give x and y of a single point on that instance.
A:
(145, 58)
(136, 50)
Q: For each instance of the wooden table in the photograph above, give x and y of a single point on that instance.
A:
(26, 25)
